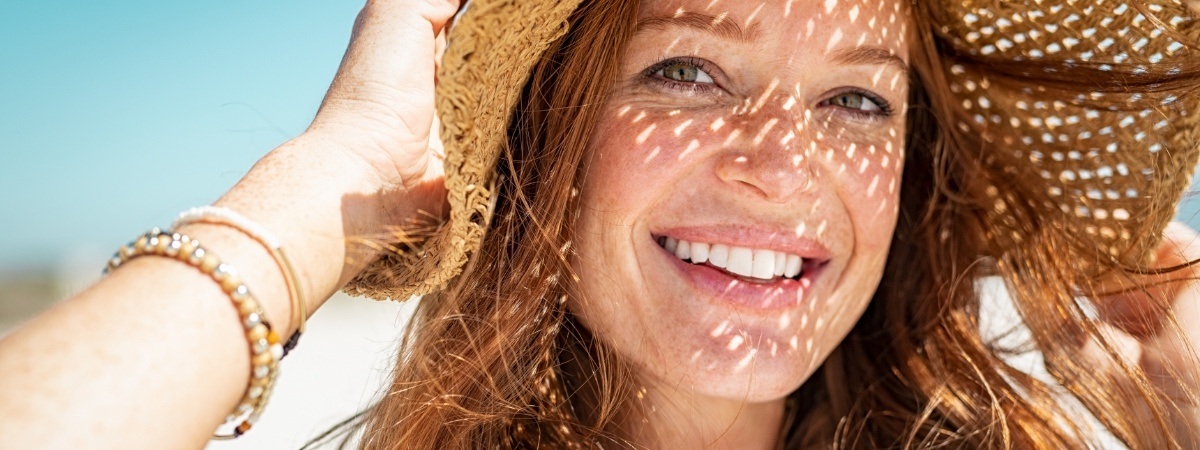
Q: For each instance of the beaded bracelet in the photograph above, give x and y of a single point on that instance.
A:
(217, 215)
(265, 348)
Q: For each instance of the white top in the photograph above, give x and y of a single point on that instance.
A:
(999, 322)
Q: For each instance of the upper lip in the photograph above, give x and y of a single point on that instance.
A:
(756, 237)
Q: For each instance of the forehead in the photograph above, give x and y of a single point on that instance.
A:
(826, 24)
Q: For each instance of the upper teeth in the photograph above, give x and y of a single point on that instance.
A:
(747, 262)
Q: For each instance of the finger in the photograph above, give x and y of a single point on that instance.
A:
(435, 144)
(1140, 310)
(393, 36)
(1141, 304)
(1168, 365)
(1170, 361)
(1109, 349)
(389, 63)
(439, 49)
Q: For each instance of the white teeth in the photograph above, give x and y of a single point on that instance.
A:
(683, 250)
(699, 253)
(764, 264)
(793, 266)
(747, 262)
(718, 255)
(741, 261)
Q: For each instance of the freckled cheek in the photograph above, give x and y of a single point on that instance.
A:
(868, 179)
(636, 159)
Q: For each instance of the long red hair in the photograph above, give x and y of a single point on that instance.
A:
(497, 361)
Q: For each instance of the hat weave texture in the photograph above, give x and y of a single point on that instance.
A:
(493, 46)
(1114, 174)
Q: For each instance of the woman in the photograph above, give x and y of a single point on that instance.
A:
(712, 224)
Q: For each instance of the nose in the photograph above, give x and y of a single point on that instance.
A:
(774, 166)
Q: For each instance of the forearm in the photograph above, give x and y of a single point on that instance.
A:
(154, 355)
(328, 204)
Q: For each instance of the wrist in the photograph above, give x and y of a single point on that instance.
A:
(255, 268)
(330, 209)
(385, 200)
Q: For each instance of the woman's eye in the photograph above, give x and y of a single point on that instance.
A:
(856, 101)
(683, 72)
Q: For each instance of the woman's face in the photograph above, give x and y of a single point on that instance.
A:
(767, 138)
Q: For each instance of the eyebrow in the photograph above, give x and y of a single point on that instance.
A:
(729, 29)
(718, 25)
(869, 55)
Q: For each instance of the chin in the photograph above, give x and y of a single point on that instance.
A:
(719, 353)
(756, 377)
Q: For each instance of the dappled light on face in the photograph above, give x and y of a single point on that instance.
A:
(682, 127)
(770, 128)
(717, 124)
(653, 153)
(732, 136)
(767, 94)
(691, 146)
(641, 138)
(765, 129)
(871, 187)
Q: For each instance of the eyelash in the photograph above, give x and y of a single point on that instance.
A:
(651, 75)
(885, 108)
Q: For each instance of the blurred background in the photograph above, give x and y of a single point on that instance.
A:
(115, 116)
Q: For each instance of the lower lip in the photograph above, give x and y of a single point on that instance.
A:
(776, 295)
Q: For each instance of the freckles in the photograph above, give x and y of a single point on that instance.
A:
(614, 157)
(636, 151)
(867, 174)
(676, 141)
(657, 151)
(628, 138)
(862, 163)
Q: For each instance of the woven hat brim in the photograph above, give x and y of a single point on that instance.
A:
(493, 46)
(1121, 196)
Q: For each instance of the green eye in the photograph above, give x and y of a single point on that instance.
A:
(854, 100)
(849, 100)
(683, 72)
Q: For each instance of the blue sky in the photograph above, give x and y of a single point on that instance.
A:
(114, 116)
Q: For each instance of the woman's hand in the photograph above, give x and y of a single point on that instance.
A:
(370, 163)
(380, 106)
(1158, 330)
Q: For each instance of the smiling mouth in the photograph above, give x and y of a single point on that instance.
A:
(748, 264)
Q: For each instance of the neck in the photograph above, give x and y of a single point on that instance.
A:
(672, 417)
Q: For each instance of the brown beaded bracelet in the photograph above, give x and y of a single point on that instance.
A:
(265, 348)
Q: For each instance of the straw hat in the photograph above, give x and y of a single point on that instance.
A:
(1112, 174)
